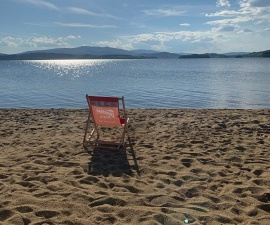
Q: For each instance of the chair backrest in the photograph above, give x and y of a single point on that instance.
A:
(104, 110)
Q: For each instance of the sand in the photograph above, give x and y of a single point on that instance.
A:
(181, 166)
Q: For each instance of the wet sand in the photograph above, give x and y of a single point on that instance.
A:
(193, 166)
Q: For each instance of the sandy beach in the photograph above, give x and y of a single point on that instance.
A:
(181, 166)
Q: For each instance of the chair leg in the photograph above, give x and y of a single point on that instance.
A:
(86, 130)
(127, 131)
(124, 133)
(122, 142)
(92, 133)
(96, 129)
(86, 137)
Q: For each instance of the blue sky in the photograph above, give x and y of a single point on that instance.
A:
(164, 25)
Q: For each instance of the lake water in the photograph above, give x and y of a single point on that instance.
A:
(145, 83)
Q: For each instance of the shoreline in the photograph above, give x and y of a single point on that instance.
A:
(210, 166)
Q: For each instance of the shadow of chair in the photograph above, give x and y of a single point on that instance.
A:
(113, 161)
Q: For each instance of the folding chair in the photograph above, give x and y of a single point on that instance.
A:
(105, 112)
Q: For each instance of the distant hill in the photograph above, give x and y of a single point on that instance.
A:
(88, 52)
(161, 55)
(206, 55)
(106, 52)
(48, 56)
(259, 54)
(228, 55)
(236, 53)
(142, 51)
(84, 50)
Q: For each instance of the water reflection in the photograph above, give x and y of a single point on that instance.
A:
(185, 83)
(72, 68)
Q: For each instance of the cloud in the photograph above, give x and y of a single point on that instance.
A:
(222, 39)
(83, 25)
(73, 37)
(115, 44)
(254, 3)
(88, 13)
(161, 38)
(223, 3)
(228, 28)
(250, 13)
(37, 42)
(37, 24)
(184, 24)
(246, 31)
(40, 3)
(234, 30)
(46, 41)
(164, 12)
(228, 13)
(229, 21)
(8, 42)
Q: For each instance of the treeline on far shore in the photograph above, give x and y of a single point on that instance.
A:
(262, 54)
(160, 55)
(47, 56)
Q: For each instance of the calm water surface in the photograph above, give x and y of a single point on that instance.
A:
(149, 83)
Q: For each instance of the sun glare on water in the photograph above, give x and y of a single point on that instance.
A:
(73, 68)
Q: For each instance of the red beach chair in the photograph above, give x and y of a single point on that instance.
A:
(105, 113)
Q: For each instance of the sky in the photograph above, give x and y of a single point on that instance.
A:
(178, 26)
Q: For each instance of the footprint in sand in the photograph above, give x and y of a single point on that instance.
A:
(47, 213)
(108, 200)
(166, 219)
(258, 172)
(223, 219)
(26, 184)
(5, 214)
(89, 180)
(186, 162)
(264, 197)
(24, 209)
(236, 211)
(265, 207)
(2, 176)
(192, 192)
(252, 212)
(262, 182)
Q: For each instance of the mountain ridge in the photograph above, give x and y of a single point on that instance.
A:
(93, 52)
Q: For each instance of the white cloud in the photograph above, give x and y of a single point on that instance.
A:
(227, 28)
(184, 24)
(88, 13)
(37, 42)
(46, 41)
(8, 42)
(83, 25)
(73, 37)
(251, 16)
(40, 3)
(229, 13)
(236, 20)
(255, 10)
(161, 38)
(223, 3)
(164, 12)
(254, 3)
(115, 44)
